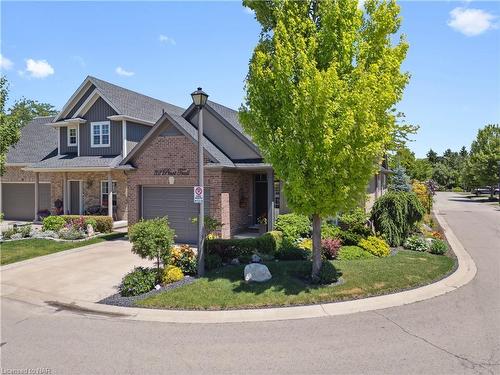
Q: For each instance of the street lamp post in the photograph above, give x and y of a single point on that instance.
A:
(200, 99)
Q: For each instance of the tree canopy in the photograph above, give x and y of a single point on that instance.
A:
(320, 94)
(13, 119)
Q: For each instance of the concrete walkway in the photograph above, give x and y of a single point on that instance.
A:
(454, 333)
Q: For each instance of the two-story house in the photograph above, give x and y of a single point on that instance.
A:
(118, 152)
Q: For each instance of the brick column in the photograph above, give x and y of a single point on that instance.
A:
(37, 195)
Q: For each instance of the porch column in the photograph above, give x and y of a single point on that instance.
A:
(37, 193)
(65, 193)
(270, 200)
(110, 195)
(80, 187)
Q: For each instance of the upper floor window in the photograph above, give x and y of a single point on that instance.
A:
(100, 134)
(72, 136)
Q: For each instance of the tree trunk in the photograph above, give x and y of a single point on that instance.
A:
(316, 253)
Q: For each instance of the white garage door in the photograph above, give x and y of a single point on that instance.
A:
(177, 204)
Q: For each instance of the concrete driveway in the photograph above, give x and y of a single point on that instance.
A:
(456, 333)
(89, 273)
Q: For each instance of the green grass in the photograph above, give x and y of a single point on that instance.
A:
(225, 288)
(15, 251)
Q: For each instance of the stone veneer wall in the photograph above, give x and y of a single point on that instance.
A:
(226, 188)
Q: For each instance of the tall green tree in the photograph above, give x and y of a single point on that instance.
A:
(432, 156)
(13, 119)
(482, 168)
(320, 94)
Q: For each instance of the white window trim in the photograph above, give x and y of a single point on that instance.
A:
(114, 192)
(68, 137)
(100, 123)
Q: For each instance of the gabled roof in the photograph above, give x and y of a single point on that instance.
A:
(38, 141)
(124, 101)
(189, 131)
(229, 118)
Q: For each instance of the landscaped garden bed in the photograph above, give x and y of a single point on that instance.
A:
(224, 288)
(396, 247)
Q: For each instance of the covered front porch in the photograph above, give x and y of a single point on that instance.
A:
(83, 192)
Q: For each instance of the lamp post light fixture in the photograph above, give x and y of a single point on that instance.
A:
(200, 99)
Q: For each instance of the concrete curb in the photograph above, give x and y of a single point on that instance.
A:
(464, 273)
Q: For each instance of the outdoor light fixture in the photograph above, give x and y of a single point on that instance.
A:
(199, 97)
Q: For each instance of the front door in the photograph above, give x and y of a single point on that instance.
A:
(260, 196)
(74, 197)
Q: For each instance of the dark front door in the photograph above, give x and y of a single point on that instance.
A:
(260, 196)
(74, 192)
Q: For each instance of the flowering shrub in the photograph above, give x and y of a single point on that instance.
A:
(330, 247)
(437, 235)
(172, 274)
(305, 243)
(416, 243)
(375, 245)
(183, 256)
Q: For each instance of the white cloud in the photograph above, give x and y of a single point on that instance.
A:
(5, 63)
(38, 68)
(166, 39)
(471, 22)
(122, 72)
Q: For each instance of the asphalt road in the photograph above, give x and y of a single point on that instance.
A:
(457, 333)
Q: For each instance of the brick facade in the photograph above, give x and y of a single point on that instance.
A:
(228, 190)
(91, 185)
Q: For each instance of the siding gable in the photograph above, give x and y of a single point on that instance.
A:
(80, 101)
(100, 111)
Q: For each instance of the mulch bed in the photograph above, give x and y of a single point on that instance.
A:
(118, 300)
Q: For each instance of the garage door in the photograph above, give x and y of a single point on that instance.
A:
(18, 200)
(177, 204)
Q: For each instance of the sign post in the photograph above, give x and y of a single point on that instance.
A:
(198, 194)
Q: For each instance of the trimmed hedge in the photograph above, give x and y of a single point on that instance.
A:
(269, 243)
(104, 224)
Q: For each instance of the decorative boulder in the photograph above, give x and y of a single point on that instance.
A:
(255, 259)
(235, 261)
(256, 272)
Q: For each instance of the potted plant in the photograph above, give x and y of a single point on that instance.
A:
(262, 221)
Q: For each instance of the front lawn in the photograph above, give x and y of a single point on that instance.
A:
(225, 289)
(15, 251)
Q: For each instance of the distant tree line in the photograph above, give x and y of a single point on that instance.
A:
(462, 169)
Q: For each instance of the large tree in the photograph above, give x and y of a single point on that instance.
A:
(482, 168)
(320, 94)
(13, 119)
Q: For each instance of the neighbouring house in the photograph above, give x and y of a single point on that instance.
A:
(114, 151)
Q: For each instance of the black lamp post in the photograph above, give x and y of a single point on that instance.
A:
(200, 99)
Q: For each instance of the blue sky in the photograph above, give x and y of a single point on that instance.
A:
(167, 49)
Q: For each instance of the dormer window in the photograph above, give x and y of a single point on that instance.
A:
(100, 134)
(72, 136)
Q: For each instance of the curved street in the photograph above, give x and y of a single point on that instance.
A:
(456, 333)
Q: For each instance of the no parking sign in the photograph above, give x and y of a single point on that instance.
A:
(198, 194)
